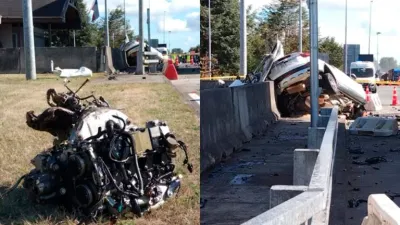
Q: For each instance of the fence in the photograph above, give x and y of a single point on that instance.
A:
(12, 60)
(307, 201)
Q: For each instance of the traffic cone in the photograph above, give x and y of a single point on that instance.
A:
(171, 72)
(367, 93)
(394, 97)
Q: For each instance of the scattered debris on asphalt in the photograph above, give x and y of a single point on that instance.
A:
(241, 179)
(354, 203)
(202, 202)
(370, 161)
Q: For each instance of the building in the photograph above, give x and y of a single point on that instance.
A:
(353, 51)
(48, 15)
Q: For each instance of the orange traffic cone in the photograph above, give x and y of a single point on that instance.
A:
(171, 72)
(367, 93)
(394, 97)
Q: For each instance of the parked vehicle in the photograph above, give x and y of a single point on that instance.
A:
(365, 74)
(291, 75)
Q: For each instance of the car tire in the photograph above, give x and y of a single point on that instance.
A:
(374, 90)
(329, 84)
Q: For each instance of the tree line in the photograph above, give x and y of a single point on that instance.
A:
(278, 19)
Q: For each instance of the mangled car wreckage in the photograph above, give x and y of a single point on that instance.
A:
(101, 163)
(291, 76)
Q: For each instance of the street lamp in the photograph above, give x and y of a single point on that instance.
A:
(345, 40)
(377, 46)
(169, 40)
(209, 36)
(370, 17)
(300, 26)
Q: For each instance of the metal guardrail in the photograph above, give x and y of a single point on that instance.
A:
(312, 205)
(381, 211)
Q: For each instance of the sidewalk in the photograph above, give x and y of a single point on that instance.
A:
(238, 189)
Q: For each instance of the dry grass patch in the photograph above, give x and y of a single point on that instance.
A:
(141, 102)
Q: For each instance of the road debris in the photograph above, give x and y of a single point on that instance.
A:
(370, 161)
(354, 203)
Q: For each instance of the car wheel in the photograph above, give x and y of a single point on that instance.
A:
(374, 90)
(329, 84)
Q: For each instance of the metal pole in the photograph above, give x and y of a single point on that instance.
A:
(106, 22)
(314, 61)
(300, 26)
(370, 21)
(209, 36)
(164, 27)
(74, 38)
(148, 26)
(139, 67)
(243, 39)
(377, 46)
(345, 42)
(29, 43)
(125, 20)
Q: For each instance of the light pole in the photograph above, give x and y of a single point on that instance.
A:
(313, 5)
(169, 40)
(377, 46)
(164, 27)
(370, 21)
(345, 40)
(300, 26)
(209, 36)
(243, 39)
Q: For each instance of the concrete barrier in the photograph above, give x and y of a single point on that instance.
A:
(12, 60)
(381, 211)
(308, 201)
(232, 116)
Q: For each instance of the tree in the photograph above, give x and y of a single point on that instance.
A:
(335, 50)
(176, 51)
(195, 49)
(225, 39)
(387, 63)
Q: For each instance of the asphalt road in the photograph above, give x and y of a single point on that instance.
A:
(189, 87)
(385, 95)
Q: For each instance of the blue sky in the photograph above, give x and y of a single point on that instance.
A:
(182, 18)
(331, 20)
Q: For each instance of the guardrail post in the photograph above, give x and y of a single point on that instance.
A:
(282, 193)
(303, 165)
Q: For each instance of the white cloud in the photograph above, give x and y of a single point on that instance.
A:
(190, 23)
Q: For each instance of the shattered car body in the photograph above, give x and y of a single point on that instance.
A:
(291, 76)
(101, 164)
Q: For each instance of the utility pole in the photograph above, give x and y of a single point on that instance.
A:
(29, 43)
(314, 63)
(243, 39)
(300, 26)
(169, 38)
(106, 22)
(126, 35)
(148, 26)
(345, 41)
(139, 64)
(209, 37)
(377, 46)
(370, 21)
(74, 38)
(164, 27)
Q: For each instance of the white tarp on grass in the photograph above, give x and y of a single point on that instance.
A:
(67, 73)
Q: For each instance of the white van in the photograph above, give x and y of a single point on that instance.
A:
(364, 73)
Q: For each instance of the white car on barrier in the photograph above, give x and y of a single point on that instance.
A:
(291, 75)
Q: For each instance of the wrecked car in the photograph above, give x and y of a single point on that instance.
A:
(100, 163)
(291, 76)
